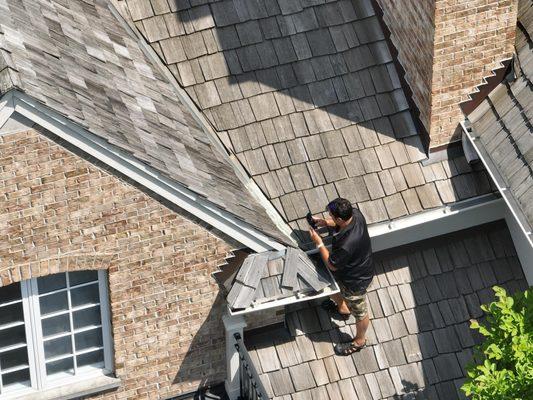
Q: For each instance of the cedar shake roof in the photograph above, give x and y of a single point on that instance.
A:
(503, 125)
(76, 58)
(419, 340)
(306, 95)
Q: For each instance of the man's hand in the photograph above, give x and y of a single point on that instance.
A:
(315, 237)
(323, 222)
(323, 250)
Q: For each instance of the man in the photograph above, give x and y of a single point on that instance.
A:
(350, 260)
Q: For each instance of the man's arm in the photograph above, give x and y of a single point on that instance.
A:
(323, 250)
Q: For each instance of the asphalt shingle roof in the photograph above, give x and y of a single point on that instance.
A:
(420, 304)
(306, 95)
(503, 123)
(76, 58)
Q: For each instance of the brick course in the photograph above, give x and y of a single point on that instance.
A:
(454, 43)
(60, 212)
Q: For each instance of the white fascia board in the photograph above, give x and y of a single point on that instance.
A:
(6, 107)
(143, 174)
(286, 301)
(502, 188)
(441, 221)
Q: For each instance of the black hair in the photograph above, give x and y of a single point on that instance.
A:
(340, 208)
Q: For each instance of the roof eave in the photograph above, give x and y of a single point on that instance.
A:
(498, 180)
(244, 233)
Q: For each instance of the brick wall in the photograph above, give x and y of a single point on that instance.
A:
(166, 310)
(410, 23)
(470, 38)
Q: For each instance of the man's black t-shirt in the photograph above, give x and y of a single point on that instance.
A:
(351, 254)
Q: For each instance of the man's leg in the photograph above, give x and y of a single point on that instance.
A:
(362, 326)
(342, 306)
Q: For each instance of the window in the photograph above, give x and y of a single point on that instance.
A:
(54, 331)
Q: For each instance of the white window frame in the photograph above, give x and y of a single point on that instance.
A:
(35, 341)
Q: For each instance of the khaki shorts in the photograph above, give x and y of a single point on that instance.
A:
(356, 302)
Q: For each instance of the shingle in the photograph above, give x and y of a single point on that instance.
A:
(464, 333)
(283, 128)
(139, 9)
(323, 93)
(397, 325)
(284, 101)
(385, 383)
(333, 169)
(284, 50)
(256, 162)
(320, 42)
(305, 20)
(302, 377)
(399, 153)
(464, 358)
(305, 347)
(410, 321)
(412, 348)
(370, 160)
(268, 58)
(296, 151)
(331, 369)
(354, 85)
(345, 366)
(352, 138)
(382, 329)
(281, 382)
(447, 366)
(433, 288)
(472, 303)
(318, 371)
(412, 373)
(314, 147)
(414, 148)
(374, 211)
(316, 199)
(411, 201)
(155, 28)
(224, 13)
(249, 58)
(268, 359)
(249, 32)
(207, 94)
(373, 386)
(318, 121)
(446, 340)
(414, 177)
(346, 389)
(361, 388)
(369, 107)
(403, 124)
(365, 361)
(394, 352)
(334, 144)
(395, 206)
(317, 177)
(201, 17)
(214, 66)
(373, 185)
(264, 106)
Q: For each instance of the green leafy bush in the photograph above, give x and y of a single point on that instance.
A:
(505, 358)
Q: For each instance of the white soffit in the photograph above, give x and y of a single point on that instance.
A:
(15, 101)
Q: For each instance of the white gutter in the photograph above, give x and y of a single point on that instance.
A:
(500, 184)
(137, 171)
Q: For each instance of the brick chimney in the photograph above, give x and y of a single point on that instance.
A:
(446, 47)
